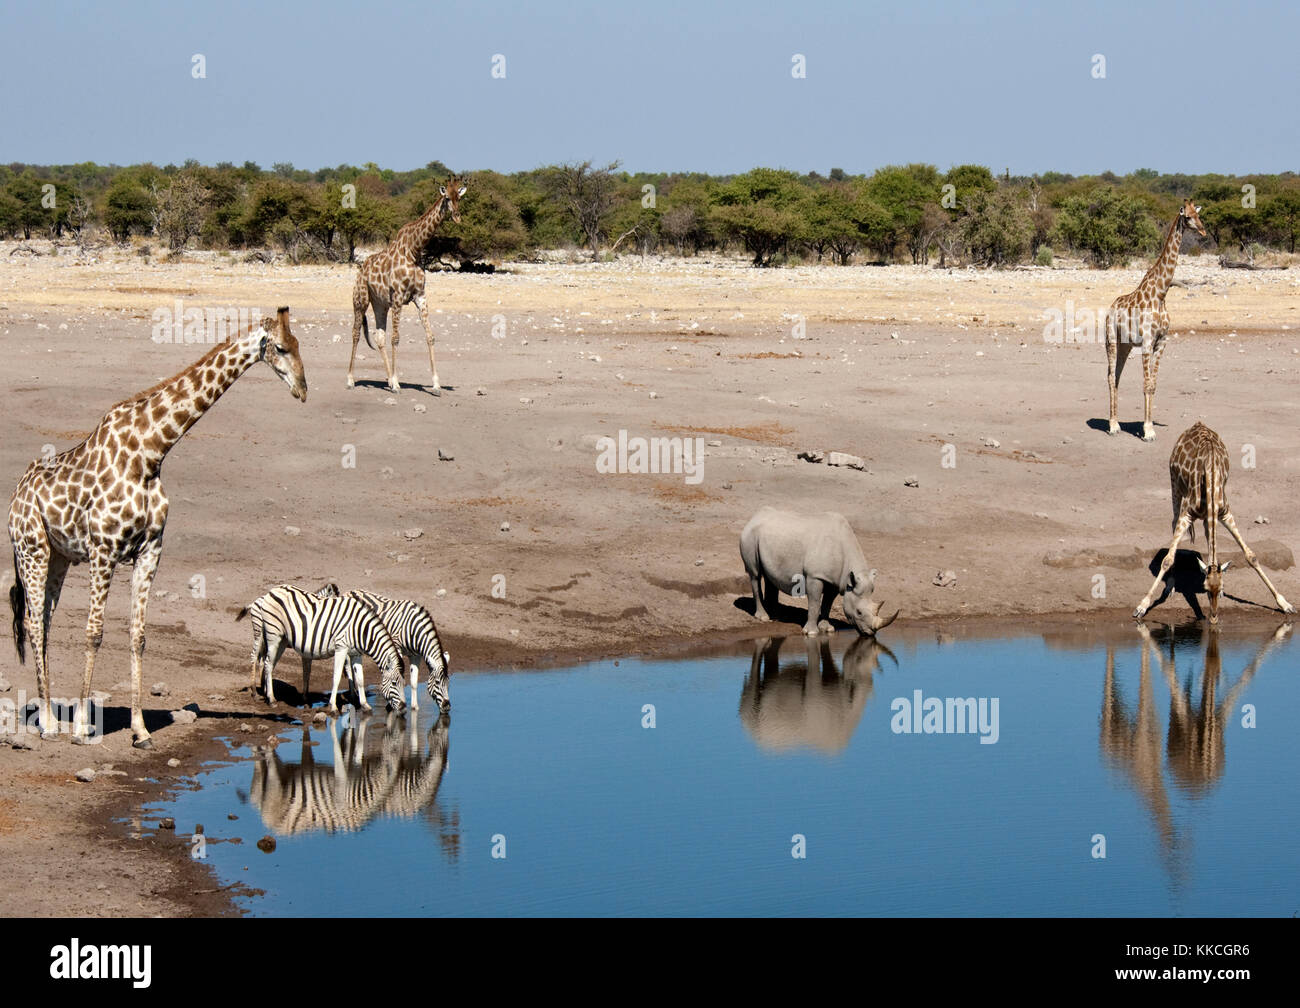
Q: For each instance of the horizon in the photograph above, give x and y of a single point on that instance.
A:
(932, 83)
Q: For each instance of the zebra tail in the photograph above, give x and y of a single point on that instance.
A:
(242, 613)
(18, 600)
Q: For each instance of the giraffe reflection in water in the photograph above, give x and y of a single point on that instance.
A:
(378, 771)
(809, 703)
(1194, 741)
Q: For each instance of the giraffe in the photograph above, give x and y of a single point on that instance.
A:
(1140, 316)
(102, 502)
(1198, 479)
(394, 277)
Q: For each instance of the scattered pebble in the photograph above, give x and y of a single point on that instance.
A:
(524, 400)
(158, 689)
(27, 740)
(231, 816)
(480, 391)
(246, 729)
(183, 716)
(173, 762)
(85, 775)
(441, 593)
(654, 395)
(292, 530)
(167, 823)
(505, 526)
(5, 685)
(1261, 520)
(911, 481)
(421, 408)
(845, 459)
(266, 844)
(945, 579)
(992, 443)
(444, 457)
(714, 444)
(726, 485)
(413, 533)
(812, 455)
(390, 401)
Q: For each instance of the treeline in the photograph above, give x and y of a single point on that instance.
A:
(912, 213)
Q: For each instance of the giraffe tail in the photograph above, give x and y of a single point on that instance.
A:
(365, 330)
(18, 600)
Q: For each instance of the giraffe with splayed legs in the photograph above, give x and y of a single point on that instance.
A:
(102, 503)
(1198, 478)
(1140, 318)
(395, 277)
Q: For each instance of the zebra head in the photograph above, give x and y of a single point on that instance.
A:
(439, 673)
(391, 686)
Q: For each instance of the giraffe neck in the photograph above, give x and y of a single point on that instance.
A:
(161, 416)
(1161, 273)
(422, 230)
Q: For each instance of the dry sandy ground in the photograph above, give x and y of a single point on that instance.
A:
(895, 365)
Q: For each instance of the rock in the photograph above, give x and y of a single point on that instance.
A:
(421, 408)
(246, 729)
(654, 395)
(812, 455)
(1041, 514)
(183, 716)
(390, 401)
(1122, 557)
(444, 457)
(441, 593)
(699, 561)
(167, 823)
(480, 391)
(945, 579)
(266, 845)
(413, 533)
(386, 471)
(714, 444)
(198, 829)
(505, 526)
(231, 816)
(726, 485)
(992, 443)
(85, 775)
(5, 685)
(911, 481)
(292, 530)
(25, 740)
(173, 762)
(845, 459)
(525, 401)
(1259, 520)
(158, 689)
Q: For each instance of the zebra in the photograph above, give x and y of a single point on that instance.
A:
(316, 627)
(413, 630)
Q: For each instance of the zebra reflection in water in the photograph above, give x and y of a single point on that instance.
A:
(378, 771)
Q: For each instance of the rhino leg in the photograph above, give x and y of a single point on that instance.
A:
(824, 614)
(811, 626)
(760, 611)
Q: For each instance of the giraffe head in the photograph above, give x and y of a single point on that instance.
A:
(1191, 217)
(1213, 585)
(280, 350)
(451, 191)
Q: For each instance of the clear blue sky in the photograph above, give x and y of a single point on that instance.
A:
(704, 86)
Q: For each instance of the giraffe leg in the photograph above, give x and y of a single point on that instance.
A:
(146, 566)
(1116, 356)
(1184, 522)
(101, 576)
(360, 301)
(381, 334)
(33, 572)
(423, 307)
(1253, 560)
(1150, 369)
(393, 384)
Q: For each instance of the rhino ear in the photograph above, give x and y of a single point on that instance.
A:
(853, 582)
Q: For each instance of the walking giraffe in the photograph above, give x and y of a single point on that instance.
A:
(1141, 316)
(1198, 479)
(102, 502)
(394, 277)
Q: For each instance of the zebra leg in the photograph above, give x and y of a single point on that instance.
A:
(273, 654)
(340, 660)
(306, 679)
(415, 684)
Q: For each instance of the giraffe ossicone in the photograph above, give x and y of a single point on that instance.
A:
(102, 503)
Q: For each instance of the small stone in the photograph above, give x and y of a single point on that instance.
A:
(266, 844)
(390, 401)
(481, 391)
(198, 829)
(441, 593)
(246, 729)
(1261, 520)
(844, 459)
(992, 443)
(167, 823)
(726, 485)
(292, 530)
(911, 481)
(27, 740)
(525, 401)
(320, 717)
(812, 455)
(413, 533)
(444, 457)
(654, 395)
(158, 689)
(386, 471)
(1041, 514)
(173, 762)
(514, 633)
(421, 408)
(505, 526)
(231, 816)
(714, 444)
(85, 775)
(5, 685)
(945, 579)
(699, 561)
(184, 716)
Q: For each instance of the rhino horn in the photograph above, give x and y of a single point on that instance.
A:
(878, 624)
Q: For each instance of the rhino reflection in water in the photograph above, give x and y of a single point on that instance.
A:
(378, 771)
(808, 704)
(1193, 745)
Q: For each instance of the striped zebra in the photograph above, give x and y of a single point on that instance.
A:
(317, 627)
(413, 629)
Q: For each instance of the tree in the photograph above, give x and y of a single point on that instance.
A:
(128, 207)
(1107, 224)
(1282, 212)
(178, 210)
(760, 209)
(996, 226)
(588, 195)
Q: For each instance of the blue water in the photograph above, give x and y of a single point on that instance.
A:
(753, 749)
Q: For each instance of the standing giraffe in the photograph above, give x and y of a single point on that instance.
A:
(1198, 479)
(394, 277)
(102, 502)
(1141, 317)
